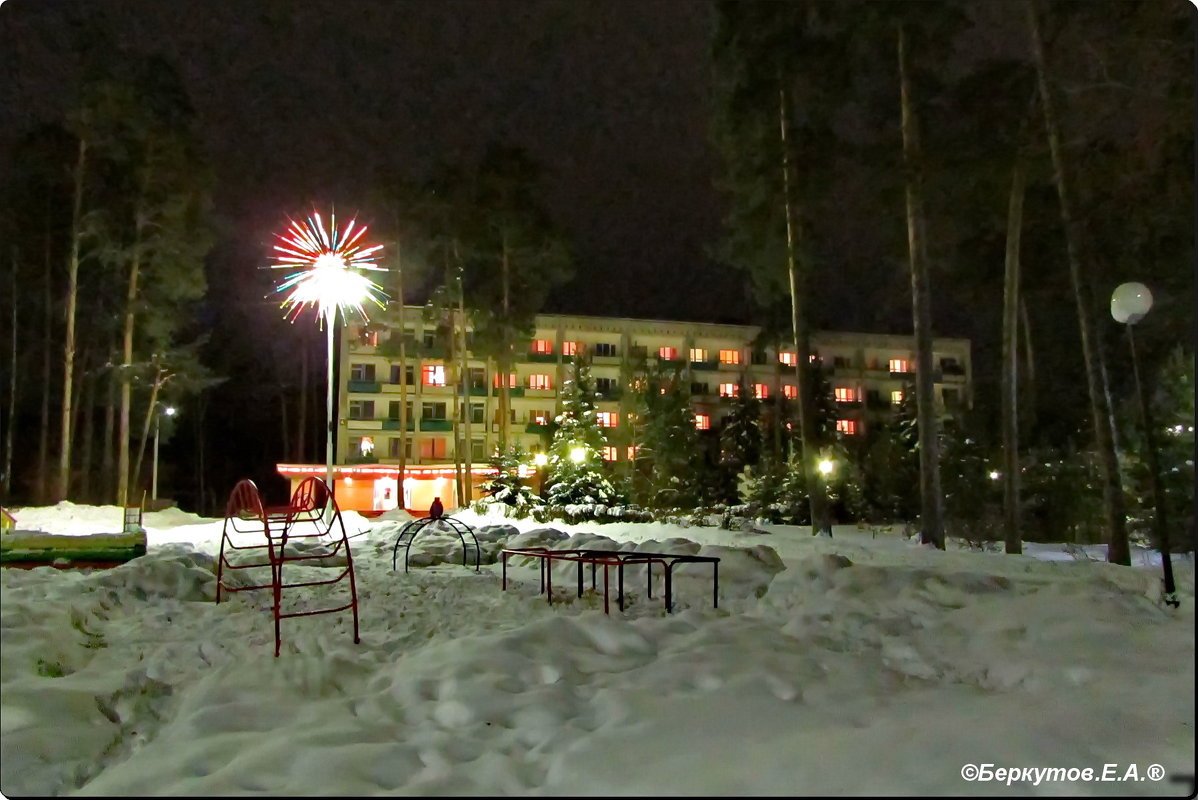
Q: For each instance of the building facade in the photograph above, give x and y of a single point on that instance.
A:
(867, 372)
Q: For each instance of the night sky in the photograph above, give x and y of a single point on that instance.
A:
(303, 103)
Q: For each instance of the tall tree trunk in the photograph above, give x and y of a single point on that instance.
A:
(86, 487)
(468, 455)
(6, 488)
(931, 500)
(1118, 549)
(1027, 386)
(454, 379)
(126, 377)
(108, 448)
(1010, 353)
(506, 356)
(63, 479)
(798, 268)
(779, 405)
(43, 436)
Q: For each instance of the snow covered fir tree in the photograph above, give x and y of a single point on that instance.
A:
(577, 473)
(506, 487)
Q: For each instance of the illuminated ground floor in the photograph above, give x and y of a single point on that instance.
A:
(377, 487)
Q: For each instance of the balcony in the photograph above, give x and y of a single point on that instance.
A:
(541, 358)
(436, 425)
(609, 394)
(533, 427)
(393, 425)
(516, 391)
(364, 386)
(705, 365)
(478, 391)
(361, 459)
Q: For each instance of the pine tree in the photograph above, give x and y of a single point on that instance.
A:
(576, 467)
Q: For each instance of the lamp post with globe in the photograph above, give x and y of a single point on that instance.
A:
(1130, 302)
(170, 412)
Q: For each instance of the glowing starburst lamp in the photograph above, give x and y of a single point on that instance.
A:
(324, 266)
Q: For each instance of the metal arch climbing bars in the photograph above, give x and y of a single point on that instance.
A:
(417, 525)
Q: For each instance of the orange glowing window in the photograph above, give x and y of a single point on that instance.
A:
(896, 396)
(569, 348)
(729, 356)
(899, 365)
(432, 448)
(790, 391)
(667, 353)
(703, 422)
(434, 374)
(789, 359)
(632, 451)
(609, 454)
(845, 394)
(761, 391)
(729, 390)
(698, 354)
(607, 419)
(511, 380)
(542, 347)
(539, 381)
(846, 426)
(540, 417)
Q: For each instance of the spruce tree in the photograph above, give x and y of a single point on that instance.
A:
(576, 471)
(740, 437)
(668, 452)
(506, 487)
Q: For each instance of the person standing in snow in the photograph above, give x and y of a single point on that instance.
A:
(437, 510)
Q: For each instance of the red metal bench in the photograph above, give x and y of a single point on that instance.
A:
(312, 504)
(613, 558)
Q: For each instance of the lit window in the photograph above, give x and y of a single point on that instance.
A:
(729, 390)
(607, 419)
(814, 357)
(698, 354)
(667, 353)
(511, 380)
(896, 396)
(542, 347)
(789, 359)
(609, 454)
(632, 451)
(790, 391)
(569, 348)
(845, 394)
(703, 422)
(434, 374)
(366, 445)
(370, 338)
(729, 356)
(761, 391)
(539, 381)
(899, 365)
(846, 426)
(432, 448)
(540, 417)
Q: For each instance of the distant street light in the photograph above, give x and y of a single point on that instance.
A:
(1130, 302)
(540, 459)
(578, 455)
(170, 412)
(825, 466)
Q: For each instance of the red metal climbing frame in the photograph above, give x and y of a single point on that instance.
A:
(309, 505)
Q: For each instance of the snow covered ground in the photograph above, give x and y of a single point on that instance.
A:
(850, 665)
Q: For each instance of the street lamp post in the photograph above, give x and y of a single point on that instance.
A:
(1130, 302)
(170, 412)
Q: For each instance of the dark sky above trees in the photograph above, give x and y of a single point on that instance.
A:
(306, 102)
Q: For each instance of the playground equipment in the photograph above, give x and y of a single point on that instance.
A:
(417, 525)
(311, 504)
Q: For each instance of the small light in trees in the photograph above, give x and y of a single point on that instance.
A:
(994, 475)
(540, 459)
(169, 411)
(1130, 302)
(578, 455)
(825, 466)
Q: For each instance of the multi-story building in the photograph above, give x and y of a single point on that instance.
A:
(868, 373)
